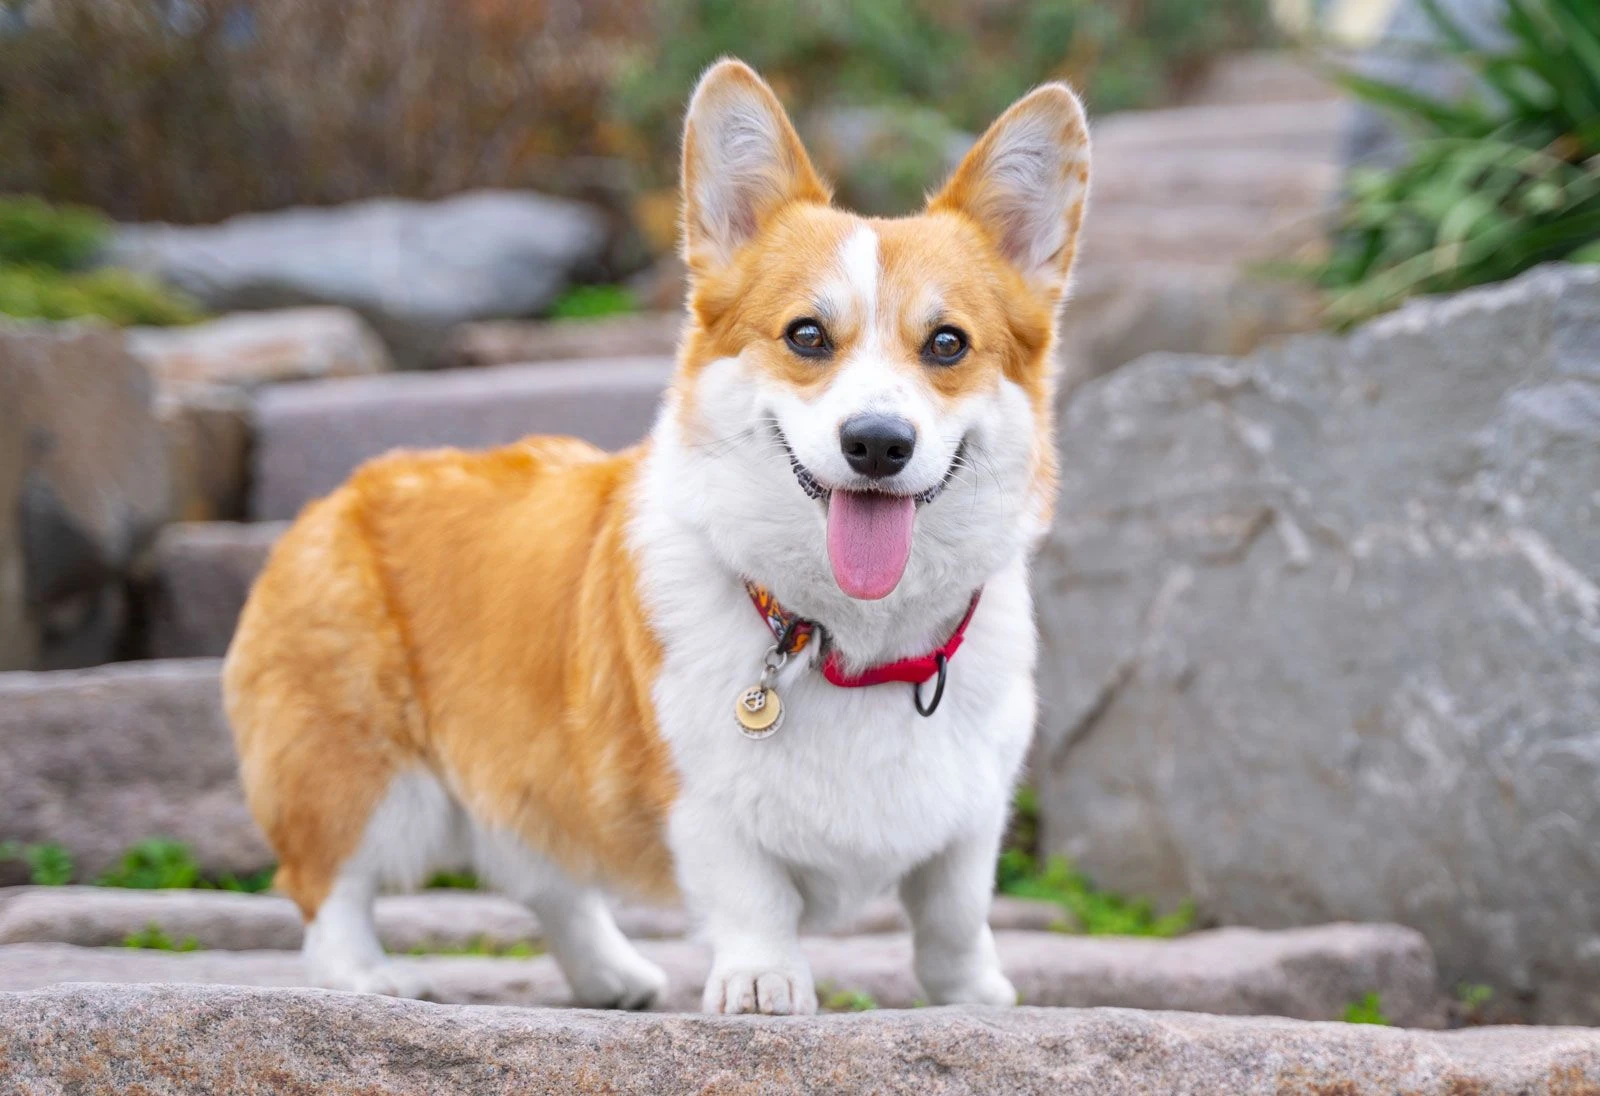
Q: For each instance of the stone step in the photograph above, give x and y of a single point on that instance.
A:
(200, 575)
(1310, 130)
(192, 1039)
(439, 919)
(310, 436)
(98, 759)
(1312, 973)
(504, 342)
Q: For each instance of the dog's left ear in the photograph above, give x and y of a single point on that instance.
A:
(742, 161)
(1025, 183)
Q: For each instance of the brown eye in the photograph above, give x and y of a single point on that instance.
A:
(806, 338)
(946, 346)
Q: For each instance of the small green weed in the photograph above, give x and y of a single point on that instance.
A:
(160, 863)
(1089, 910)
(117, 296)
(49, 864)
(833, 999)
(482, 945)
(454, 880)
(591, 302)
(1474, 995)
(1368, 1010)
(154, 938)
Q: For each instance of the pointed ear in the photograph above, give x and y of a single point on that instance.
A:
(742, 161)
(1025, 183)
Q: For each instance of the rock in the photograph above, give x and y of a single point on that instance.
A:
(193, 1039)
(208, 434)
(94, 487)
(102, 916)
(250, 348)
(309, 437)
(413, 269)
(506, 342)
(1121, 312)
(1248, 79)
(1307, 973)
(1320, 629)
(19, 634)
(201, 573)
(99, 759)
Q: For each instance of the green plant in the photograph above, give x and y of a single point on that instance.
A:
(833, 999)
(587, 302)
(1368, 1010)
(1497, 181)
(35, 233)
(160, 863)
(1474, 995)
(155, 938)
(454, 880)
(481, 945)
(156, 863)
(1089, 910)
(49, 864)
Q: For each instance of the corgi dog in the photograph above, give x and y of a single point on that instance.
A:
(772, 662)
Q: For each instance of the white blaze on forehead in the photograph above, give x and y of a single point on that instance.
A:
(858, 258)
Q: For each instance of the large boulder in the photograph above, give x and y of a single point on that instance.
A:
(309, 437)
(412, 268)
(94, 488)
(96, 760)
(1321, 634)
(194, 1039)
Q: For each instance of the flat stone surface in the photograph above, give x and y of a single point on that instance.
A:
(309, 437)
(1320, 631)
(200, 575)
(100, 916)
(189, 1039)
(251, 348)
(1306, 973)
(99, 759)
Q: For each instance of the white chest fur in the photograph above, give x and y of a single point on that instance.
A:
(857, 788)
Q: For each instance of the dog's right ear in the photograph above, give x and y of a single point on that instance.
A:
(742, 161)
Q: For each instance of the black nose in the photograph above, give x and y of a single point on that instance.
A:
(877, 445)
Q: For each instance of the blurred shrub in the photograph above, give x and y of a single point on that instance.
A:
(35, 233)
(199, 109)
(41, 247)
(964, 60)
(591, 302)
(193, 110)
(49, 864)
(1504, 179)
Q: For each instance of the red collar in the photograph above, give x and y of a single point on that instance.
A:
(794, 632)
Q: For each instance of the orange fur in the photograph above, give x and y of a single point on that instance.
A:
(474, 614)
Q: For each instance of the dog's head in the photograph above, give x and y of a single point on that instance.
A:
(866, 402)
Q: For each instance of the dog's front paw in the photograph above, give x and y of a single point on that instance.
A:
(624, 980)
(778, 991)
(988, 988)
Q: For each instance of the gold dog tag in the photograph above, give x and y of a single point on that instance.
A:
(759, 711)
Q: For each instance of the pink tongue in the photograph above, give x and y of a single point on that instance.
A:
(869, 541)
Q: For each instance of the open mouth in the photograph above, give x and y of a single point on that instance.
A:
(869, 532)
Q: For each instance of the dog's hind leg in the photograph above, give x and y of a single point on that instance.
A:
(603, 969)
(415, 829)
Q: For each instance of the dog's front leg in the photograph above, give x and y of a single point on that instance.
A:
(749, 908)
(948, 900)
